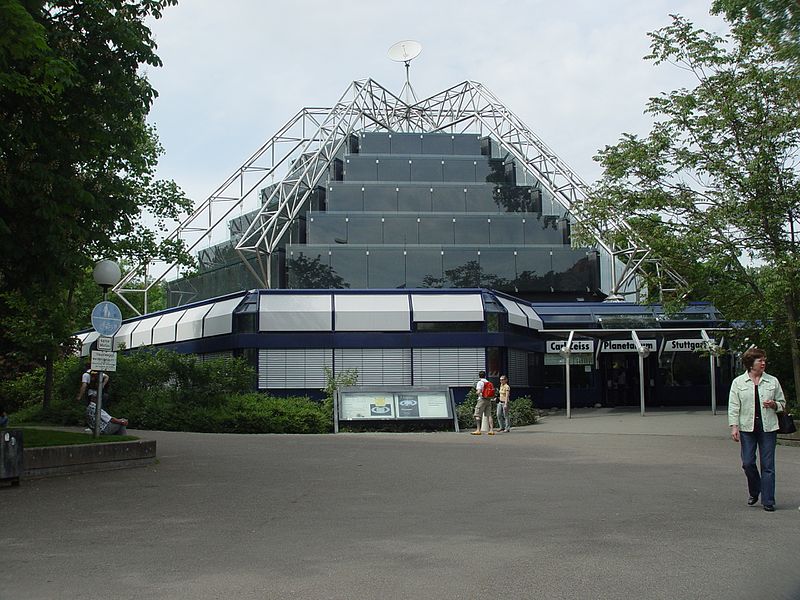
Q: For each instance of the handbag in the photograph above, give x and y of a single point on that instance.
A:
(786, 423)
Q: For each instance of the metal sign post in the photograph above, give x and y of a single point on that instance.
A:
(106, 320)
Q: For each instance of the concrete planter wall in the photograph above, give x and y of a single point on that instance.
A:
(63, 460)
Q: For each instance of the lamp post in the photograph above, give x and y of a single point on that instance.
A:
(106, 274)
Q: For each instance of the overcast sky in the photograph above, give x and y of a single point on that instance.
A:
(235, 72)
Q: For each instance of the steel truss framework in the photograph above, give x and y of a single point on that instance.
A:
(296, 159)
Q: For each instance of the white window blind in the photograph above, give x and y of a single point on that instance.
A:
(376, 366)
(448, 366)
(293, 368)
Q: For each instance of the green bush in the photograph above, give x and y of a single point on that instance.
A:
(521, 411)
(332, 383)
(172, 392)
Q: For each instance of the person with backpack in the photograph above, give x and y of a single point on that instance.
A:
(485, 390)
(89, 384)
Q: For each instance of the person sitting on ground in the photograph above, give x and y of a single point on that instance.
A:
(108, 425)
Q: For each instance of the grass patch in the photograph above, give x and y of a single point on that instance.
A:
(39, 438)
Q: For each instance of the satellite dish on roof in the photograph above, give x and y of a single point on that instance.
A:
(405, 52)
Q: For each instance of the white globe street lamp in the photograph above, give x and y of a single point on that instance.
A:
(106, 274)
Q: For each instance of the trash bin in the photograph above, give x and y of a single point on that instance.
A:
(10, 455)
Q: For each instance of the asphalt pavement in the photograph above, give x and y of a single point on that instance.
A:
(605, 505)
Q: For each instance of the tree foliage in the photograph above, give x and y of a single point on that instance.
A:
(776, 22)
(77, 159)
(715, 186)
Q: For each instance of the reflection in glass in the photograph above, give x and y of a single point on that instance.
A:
(423, 265)
(312, 272)
(575, 270)
(351, 265)
(386, 268)
(327, 228)
(516, 199)
(498, 269)
(461, 268)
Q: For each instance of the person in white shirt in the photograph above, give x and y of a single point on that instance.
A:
(753, 404)
(483, 405)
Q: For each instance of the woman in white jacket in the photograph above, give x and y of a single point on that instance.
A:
(754, 400)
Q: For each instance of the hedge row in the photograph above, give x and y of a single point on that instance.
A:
(170, 392)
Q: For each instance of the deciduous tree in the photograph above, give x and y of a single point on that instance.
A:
(715, 186)
(77, 158)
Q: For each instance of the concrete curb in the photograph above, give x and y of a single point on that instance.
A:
(66, 460)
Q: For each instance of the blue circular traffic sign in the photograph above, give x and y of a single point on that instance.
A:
(106, 318)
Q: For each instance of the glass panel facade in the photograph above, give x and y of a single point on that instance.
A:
(375, 143)
(424, 268)
(415, 198)
(440, 144)
(466, 144)
(345, 197)
(465, 169)
(393, 169)
(351, 265)
(386, 268)
(401, 229)
(400, 143)
(471, 230)
(449, 198)
(327, 228)
(434, 229)
(365, 229)
(426, 169)
(361, 168)
(506, 229)
(534, 269)
(461, 267)
(420, 210)
(312, 269)
(480, 198)
(499, 269)
(541, 230)
(380, 198)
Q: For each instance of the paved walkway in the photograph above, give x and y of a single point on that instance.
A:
(612, 421)
(608, 504)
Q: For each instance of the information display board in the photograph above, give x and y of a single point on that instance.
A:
(394, 404)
